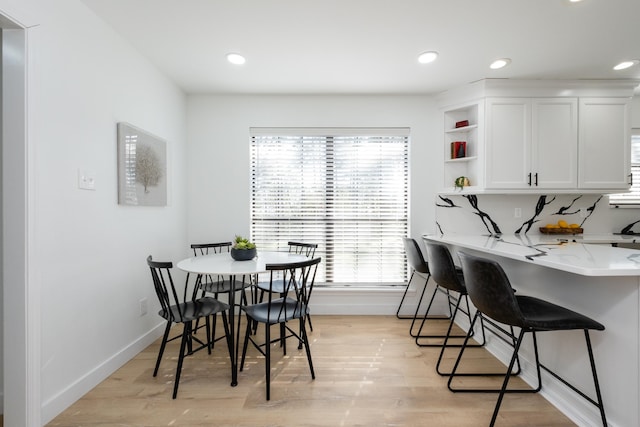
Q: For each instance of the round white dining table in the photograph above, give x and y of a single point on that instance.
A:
(222, 264)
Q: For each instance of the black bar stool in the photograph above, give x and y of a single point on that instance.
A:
(450, 279)
(492, 295)
(418, 265)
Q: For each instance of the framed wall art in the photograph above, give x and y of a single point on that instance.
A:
(142, 167)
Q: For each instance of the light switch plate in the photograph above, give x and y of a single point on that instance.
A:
(86, 180)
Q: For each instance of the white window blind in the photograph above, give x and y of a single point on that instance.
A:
(632, 198)
(345, 189)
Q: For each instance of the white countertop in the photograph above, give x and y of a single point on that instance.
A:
(604, 238)
(548, 251)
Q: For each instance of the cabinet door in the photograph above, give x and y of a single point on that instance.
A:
(508, 142)
(604, 143)
(554, 142)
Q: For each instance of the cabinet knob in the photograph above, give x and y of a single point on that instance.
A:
(630, 179)
(536, 179)
(529, 179)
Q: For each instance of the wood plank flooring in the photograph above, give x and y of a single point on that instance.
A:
(369, 372)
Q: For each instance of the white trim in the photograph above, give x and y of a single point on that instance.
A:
(21, 301)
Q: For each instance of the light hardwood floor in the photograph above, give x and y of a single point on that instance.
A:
(369, 372)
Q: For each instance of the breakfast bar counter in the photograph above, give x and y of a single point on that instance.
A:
(597, 280)
(566, 253)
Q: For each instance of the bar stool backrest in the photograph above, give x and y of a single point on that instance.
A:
(414, 256)
(443, 270)
(490, 290)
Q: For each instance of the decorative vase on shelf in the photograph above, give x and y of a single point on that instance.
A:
(243, 254)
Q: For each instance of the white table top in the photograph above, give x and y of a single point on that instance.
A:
(223, 264)
(574, 257)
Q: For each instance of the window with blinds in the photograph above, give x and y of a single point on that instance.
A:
(345, 189)
(632, 198)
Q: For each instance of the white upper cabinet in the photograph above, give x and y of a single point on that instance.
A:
(508, 136)
(533, 143)
(545, 136)
(605, 143)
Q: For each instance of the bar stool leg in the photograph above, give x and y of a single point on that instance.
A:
(600, 405)
(506, 378)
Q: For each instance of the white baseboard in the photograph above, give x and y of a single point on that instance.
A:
(370, 301)
(66, 397)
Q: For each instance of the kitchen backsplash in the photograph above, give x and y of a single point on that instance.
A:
(525, 214)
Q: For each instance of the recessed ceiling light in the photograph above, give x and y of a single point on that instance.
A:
(427, 57)
(626, 64)
(236, 58)
(575, 1)
(500, 63)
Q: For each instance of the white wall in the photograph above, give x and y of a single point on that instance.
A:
(218, 134)
(88, 253)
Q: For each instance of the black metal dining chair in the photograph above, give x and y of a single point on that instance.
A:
(491, 293)
(185, 311)
(295, 280)
(300, 248)
(216, 284)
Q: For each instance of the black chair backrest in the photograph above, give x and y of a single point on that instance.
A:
(207, 248)
(490, 290)
(307, 249)
(297, 277)
(442, 267)
(165, 288)
(414, 255)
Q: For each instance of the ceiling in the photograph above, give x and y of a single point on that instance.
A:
(371, 46)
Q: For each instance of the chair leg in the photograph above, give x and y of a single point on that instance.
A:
(225, 323)
(186, 332)
(209, 332)
(415, 314)
(448, 335)
(267, 354)
(162, 347)
(446, 339)
(305, 339)
(309, 322)
(466, 345)
(214, 320)
(600, 405)
(283, 339)
(245, 344)
(506, 379)
(419, 335)
(406, 289)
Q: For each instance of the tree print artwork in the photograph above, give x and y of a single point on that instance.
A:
(148, 167)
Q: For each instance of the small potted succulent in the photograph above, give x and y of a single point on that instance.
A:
(243, 249)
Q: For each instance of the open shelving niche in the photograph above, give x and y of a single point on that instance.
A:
(468, 166)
